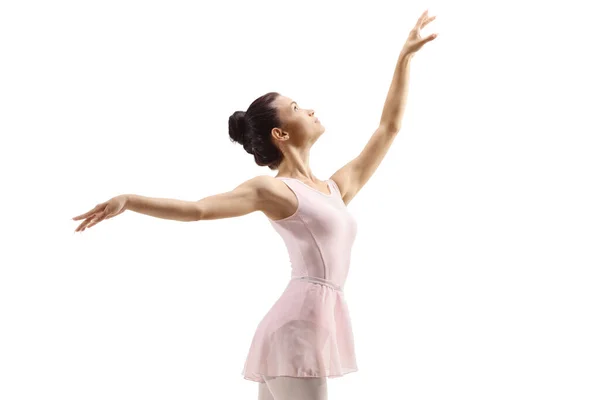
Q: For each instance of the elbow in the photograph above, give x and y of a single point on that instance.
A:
(390, 128)
(195, 213)
(190, 212)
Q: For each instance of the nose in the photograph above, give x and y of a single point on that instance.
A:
(311, 112)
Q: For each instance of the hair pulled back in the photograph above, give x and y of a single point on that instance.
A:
(252, 129)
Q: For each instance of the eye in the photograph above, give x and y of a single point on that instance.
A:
(295, 107)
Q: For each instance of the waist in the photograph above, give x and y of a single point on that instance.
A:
(321, 281)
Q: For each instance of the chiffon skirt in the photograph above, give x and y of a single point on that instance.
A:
(306, 333)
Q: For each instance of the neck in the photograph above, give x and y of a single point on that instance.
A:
(295, 164)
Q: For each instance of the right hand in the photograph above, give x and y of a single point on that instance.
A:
(102, 211)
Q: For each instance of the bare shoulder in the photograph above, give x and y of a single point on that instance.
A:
(264, 185)
(276, 200)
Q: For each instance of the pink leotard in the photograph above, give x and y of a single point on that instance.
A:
(308, 331)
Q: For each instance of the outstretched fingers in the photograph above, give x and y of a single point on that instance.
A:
(87, 214)
(83, 225)
(97, 219)
(421, 19)
(428, 20)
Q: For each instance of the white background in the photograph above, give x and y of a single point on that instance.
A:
(475, 271)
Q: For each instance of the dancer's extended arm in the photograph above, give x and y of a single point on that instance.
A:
(244, 199)
(255, 194)
(353, 176)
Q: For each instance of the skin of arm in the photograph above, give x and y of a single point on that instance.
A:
(252, 195)
(353, 176)
(395, 102)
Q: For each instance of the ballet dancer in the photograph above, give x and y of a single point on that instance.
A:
(306, 336)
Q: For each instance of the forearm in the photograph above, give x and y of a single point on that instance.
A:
(179, 210)
(395, 103)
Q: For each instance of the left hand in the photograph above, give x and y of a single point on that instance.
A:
(414, 41)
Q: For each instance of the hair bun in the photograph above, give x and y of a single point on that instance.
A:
(238, 126)
(252, 129)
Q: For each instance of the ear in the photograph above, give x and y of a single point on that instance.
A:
(279, 134)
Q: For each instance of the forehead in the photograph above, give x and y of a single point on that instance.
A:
(284, 101)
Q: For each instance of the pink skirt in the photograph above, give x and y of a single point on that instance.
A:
(307, 333)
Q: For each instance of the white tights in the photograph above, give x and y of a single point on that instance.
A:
(292, 388)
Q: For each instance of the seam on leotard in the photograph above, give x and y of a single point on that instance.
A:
(296, 214)
(297, 209)
(325, 267)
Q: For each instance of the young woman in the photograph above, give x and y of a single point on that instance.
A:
(307, 335)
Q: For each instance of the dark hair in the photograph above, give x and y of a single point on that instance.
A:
(252, 129)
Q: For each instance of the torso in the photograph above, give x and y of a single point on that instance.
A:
(288, 203)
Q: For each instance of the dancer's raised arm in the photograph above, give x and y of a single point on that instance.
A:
(351, 177)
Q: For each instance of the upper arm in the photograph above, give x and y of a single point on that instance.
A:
(244, 199)
(352, 177)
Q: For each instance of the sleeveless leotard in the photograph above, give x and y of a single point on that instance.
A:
(308, 331)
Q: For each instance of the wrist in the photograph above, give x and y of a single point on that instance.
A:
(405, 55)
(127, 198)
